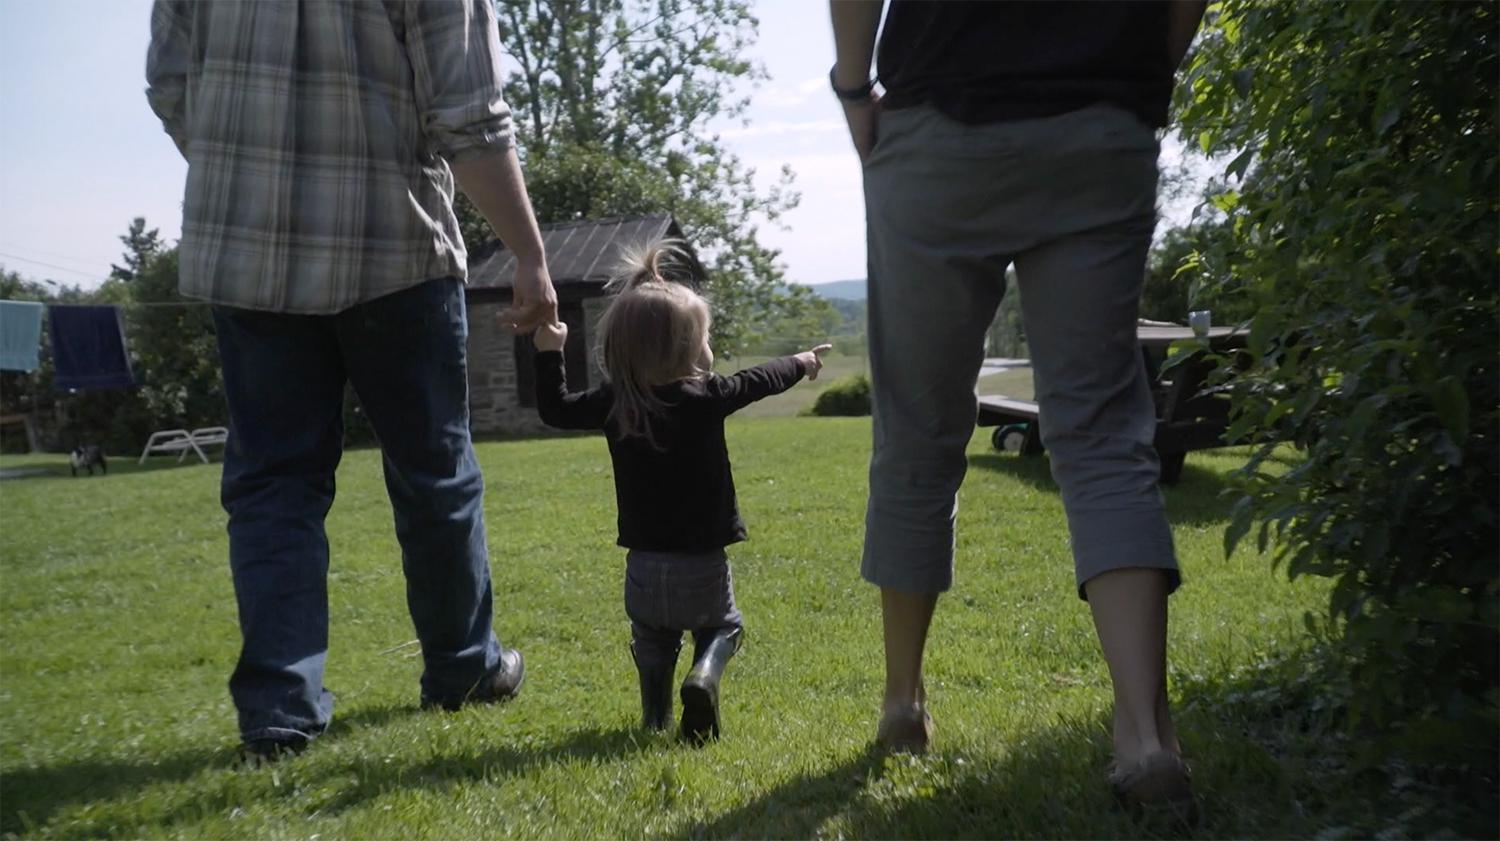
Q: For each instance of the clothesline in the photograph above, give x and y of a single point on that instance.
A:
(133, 304)
(89, 350)
(89, 346)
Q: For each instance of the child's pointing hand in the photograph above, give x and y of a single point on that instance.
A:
(812, 360)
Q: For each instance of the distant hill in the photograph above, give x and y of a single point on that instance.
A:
(841, 290)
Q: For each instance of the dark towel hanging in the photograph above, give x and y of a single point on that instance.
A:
(88, 348)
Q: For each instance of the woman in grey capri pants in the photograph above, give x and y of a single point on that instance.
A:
(1017, 134)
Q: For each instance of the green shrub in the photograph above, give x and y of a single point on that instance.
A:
(1364, 239)
(845, 397)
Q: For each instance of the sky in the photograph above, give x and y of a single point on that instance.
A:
(81, 154)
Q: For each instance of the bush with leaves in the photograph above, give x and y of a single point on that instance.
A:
(1364, 225)
(844, 397)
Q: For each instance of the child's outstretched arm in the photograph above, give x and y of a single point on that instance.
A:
(747, 386)
(556, 405)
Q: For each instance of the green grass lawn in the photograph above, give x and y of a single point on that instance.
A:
(119, 634)
(1015, 382)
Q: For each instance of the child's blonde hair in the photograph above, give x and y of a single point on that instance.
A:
(652, 334)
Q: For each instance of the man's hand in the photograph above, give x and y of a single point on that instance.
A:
(863, 117)
(812, 360)
(495, 185)
(551, 336)
(533, 300)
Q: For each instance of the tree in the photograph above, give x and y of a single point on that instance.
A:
(175, 353)
(1363, 214)
(141, 246)
(612, 101)
(1177, 280)
(1006, 335)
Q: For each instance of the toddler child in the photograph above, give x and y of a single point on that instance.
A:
(662, 410)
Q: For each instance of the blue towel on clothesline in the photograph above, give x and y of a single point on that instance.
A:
(20, 335)
(88, 348)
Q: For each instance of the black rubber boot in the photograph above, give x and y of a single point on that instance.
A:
(700, 691)
(656, 688)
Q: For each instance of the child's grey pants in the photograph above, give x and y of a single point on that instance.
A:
(667, 593)
(1071, 201)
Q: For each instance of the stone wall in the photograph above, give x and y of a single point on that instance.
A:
(494, 405)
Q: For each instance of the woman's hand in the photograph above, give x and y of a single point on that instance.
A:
(863, 117)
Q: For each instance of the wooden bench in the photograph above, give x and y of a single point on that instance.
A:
(1188, 415)
(1011, 416)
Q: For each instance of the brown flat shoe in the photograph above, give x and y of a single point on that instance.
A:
(1158, 785)
(905, 731)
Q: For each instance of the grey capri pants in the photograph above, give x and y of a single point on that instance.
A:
(1071, 201)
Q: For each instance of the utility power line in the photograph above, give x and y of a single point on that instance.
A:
(79, 272)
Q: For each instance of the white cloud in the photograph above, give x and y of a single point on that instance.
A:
(824, 237)
(788, 95)
(782, 127)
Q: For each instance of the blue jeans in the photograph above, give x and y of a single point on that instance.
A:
(284, 377)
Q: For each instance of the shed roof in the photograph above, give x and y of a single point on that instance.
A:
(578, 253)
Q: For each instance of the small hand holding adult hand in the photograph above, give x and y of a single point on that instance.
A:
(551, 336)
(534, 301)
(812, 360)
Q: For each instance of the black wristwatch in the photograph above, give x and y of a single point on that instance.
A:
(858, 94)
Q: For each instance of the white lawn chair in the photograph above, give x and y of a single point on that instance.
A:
(182, 442)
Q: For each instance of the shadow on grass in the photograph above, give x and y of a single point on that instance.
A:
(1198, 498)
(33, 795)
(1270, 760)
(1048, 785)
(588, 745)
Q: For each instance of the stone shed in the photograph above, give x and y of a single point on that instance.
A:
(581, 257)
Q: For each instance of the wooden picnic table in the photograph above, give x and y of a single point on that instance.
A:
(1188, 417)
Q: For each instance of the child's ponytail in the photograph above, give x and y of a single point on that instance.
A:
(654, 332)
(659, 261)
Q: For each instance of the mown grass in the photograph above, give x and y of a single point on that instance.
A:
(119, 633)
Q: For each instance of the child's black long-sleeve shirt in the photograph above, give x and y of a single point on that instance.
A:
(679, 495)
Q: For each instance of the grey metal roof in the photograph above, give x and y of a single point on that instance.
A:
(578, 253)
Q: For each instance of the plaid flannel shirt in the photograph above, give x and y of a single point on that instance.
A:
(317, 136)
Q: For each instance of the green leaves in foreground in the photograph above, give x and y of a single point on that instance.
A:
(1363, 137)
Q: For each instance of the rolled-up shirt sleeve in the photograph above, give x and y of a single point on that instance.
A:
(167, 69)
(454, 49)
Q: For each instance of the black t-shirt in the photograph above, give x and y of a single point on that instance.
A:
(677, 496)
(983, 62)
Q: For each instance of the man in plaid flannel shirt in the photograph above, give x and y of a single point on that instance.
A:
(323, 141)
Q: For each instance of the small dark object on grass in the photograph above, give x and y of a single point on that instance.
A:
(86, 456)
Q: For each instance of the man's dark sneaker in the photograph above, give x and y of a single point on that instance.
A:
(257, 752)
(503, 684)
